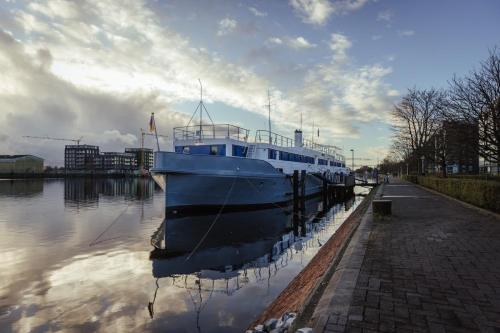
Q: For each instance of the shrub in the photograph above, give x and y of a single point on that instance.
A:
(481, 193)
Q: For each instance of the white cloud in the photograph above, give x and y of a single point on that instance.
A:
(275, 40)
(118, 63)
(385, 15)
(256, 12)
(341, 95)
(226, 26)
(319, 11)
(339, 44)
(300, 43)
(376, 37)
(406, 33)
(297, 43)
(313, 11)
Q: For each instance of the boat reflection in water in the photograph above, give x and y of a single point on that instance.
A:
(224, 253)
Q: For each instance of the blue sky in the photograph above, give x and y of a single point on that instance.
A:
(98, 68)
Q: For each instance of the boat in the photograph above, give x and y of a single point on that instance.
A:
(219, 165)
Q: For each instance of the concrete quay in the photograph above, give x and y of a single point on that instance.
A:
(432, 266)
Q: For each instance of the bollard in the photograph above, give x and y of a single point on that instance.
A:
(382, 207)
(295, 185)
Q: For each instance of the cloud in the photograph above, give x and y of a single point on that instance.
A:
(406, 33)
(313, 11)
(342, 95)
(385, 15)
(110, 68)
(275, 40)
(376, 37)
(226, 26)
(292, 42)
(256, 12)
(35, 102)
(318, 12)
(300, 43)
(339, 44)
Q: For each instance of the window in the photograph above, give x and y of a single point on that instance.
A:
(272, 154)
(202, 150)
(322, 162)
(240, 151)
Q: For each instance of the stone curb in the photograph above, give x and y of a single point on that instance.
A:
(332, 309)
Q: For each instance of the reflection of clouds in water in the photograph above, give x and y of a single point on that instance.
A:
(93, 288)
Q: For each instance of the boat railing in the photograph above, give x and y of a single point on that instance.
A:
(212, 131)
(264, 136)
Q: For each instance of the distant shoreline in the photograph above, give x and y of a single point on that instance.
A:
(69, 175)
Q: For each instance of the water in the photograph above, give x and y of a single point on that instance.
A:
(77, 255)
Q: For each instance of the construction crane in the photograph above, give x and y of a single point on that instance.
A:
(77, 141)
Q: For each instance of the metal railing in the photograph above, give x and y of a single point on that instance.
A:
(215, 131)
(263, 136)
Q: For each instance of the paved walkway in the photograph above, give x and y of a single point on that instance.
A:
(433, 266)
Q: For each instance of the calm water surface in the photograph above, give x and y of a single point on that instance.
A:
(97, 255)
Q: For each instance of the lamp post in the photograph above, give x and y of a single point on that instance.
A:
(423, 159)
(352, 151)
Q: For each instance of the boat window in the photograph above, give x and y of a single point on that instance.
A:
(240, 151)
(272, 153)
(322, 162)
(286, 156)
(202, 150)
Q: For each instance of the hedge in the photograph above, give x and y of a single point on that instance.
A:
(481, 193)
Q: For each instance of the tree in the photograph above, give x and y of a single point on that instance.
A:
(475, 98)
(416, 122)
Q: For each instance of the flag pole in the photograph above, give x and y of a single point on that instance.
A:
(156, 133)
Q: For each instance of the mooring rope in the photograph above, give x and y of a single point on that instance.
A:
(215, 219)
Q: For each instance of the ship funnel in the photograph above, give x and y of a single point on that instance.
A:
(298, 138)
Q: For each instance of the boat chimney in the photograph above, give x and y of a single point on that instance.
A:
(298, 138)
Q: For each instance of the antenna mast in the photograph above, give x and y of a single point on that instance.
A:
(269, 111)
(201, 108)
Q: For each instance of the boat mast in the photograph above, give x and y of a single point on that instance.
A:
(269, 111)
(201, 108)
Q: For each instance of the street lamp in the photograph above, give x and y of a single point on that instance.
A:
(352, 151)
(423, 159)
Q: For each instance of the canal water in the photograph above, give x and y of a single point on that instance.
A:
(81, 255)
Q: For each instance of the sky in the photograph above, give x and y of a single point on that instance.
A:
(97, 69)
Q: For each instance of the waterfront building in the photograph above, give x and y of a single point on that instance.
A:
(144, 156)
(462, 147)
(81, 157)
(20, 164)
(115, 161)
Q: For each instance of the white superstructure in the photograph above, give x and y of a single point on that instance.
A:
(284, 154)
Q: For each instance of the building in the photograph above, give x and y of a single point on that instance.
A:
(143, 156)
(21, 164)
(462, 147)
(81, 157)
(114, 161)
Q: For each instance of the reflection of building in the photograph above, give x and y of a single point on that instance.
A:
(88, 190)
(25, 187)
(144, 156)
(81, 157)
(462, 147)
(20, 164)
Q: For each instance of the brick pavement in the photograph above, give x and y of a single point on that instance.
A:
(434, 265)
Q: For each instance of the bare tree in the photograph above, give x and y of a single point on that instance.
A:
(476, 99)
(416, 121)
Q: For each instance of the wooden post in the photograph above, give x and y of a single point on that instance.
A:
(295, 185)
(303, 203)
(325, 195)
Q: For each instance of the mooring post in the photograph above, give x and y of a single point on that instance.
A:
(303, 203)
(325, 195)
(295, 185)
